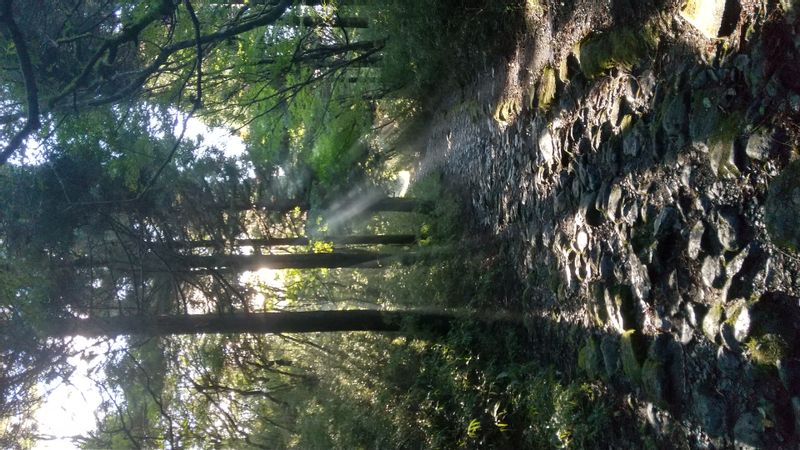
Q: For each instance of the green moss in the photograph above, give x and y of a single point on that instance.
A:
(632, 354)
(590, 359)
(621, 48)
(547, 88)
(506, 110)
(654, 381)
(767, 349)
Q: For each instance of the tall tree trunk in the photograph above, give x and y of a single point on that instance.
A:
(288, 261)
(384, 239)
(386, 204)
(267, 323)
(178, 263)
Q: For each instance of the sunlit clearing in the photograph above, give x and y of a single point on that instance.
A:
(70, 405)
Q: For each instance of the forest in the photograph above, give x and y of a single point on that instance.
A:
(350, 224)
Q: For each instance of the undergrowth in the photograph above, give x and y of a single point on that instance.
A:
(479, 386)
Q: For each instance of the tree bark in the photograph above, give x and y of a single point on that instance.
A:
(385, 239)
(264, 323)
(193, 263)
(287, 261)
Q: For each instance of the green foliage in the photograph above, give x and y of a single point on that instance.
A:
(428, 39)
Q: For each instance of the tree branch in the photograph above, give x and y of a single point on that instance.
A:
(198, 102)
(32, 122)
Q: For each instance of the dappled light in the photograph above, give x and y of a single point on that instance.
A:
(304, 224)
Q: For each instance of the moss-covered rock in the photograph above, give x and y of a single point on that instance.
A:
(609, 347)
(720, 146)
(632, 355)
(620, 307)
(656, 369)
(655, 381)
(590, 359)
(738, 319)
(783, 208)
(546, 92)
(767, 349)
(621, 48)
(711, 322)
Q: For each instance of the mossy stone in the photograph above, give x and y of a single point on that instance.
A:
(609, 347)
(631, 353)
(720, 146)
(767, 349)
(738, 319)
(590, 359)
(547, 88)
(654, 381)
(622, 48)
(783, 208)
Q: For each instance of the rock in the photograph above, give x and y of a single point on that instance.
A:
(629, 211)
(666, 222)
(711, 322)
(685, 333)
(631, 356)
(738, 319)
(581, 241)
(638, 277)
(796, 409)
(709, 409)
(560, 202)
(546, 149)
(728, 227)
(742, 63)
(655, 381)
(675, 116)
(789, 373)
(783, 208)
(691, 313)
(614, 197)
(547, 88)
(749, 430)
(721, 157)
(695, 237)
(705, 15)
(590, 359)
(734, 266)
(711, 271)
(728, 364)
(632, 141)
(620, 307)
(758, 145)
(609, 347)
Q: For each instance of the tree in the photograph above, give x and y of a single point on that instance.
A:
(277, 322)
